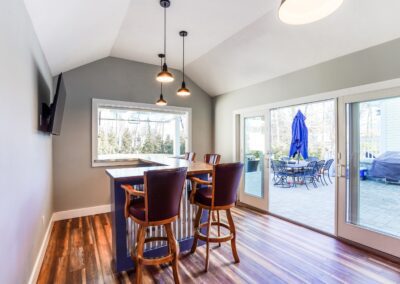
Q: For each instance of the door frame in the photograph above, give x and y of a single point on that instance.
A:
(336, 94)
(260, 203)
(353, 232)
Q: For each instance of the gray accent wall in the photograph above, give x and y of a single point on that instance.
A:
(76, 183)
(25, 153)
(371, 65)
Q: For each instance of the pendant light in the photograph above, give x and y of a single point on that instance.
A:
(165, 76)
(299, 12)
(161, 101)
(183, 91)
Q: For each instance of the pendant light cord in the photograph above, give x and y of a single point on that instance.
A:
(183, 67)
(165, 33)
(161, 69)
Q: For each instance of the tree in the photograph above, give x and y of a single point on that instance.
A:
(148, 146)
(168, 145)
(182, 145)
(103, 144)
(126, 142)
(158, 144)
(112, 142)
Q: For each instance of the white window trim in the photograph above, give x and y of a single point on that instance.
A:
(96, 103)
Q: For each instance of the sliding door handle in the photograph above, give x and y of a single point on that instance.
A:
(342, 171)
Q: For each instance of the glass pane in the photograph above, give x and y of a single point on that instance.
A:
(254, 147)
(125, 133)
(305, 195)
(373, 155)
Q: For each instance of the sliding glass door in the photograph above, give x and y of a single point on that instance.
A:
(369, 183)
(303, 189)
(252, 153)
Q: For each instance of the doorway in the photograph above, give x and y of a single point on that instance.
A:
(303, 189)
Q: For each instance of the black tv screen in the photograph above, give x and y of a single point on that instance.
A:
(57, 108)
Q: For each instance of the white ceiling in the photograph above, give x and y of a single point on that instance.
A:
(231, 44)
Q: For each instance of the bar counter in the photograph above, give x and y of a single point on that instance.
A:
(124, 231)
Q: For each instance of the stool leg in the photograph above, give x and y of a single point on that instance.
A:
(219, 228)
(173, 244)
(196, 228)
(208, 243)
(233, 230)
(139, 253)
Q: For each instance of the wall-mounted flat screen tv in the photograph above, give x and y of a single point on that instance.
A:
(51, 116)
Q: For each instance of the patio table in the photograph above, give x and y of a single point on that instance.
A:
(296, 167)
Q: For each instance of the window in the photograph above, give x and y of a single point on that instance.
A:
(123, 132)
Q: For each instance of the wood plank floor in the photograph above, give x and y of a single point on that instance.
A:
(271, 251)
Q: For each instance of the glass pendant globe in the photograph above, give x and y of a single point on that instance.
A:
(300, 12)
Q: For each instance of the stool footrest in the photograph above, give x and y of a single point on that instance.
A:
(156, 261)
(215, 239)
(202, 225)
(155, 239)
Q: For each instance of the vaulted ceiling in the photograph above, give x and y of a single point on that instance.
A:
(231, 44)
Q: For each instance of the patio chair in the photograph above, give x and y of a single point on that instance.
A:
(285, 159)
(326, 169)
(281, 174)
(310, 159)
(320, 166)
(310, 173)
(275, 169)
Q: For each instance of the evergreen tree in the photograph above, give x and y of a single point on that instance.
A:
(182, 146)
(112, 142)
(103, 144)
(168, 145)
(157, 144)
(148, 146)
(126, 143)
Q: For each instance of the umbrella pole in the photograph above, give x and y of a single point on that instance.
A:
(298, 157)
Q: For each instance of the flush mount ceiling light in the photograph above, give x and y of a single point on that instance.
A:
(161, 101)
(165, 76)
(299, 12)
(183, 91)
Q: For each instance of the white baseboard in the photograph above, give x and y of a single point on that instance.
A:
(57, 216)
(39, 260)
(81, 212)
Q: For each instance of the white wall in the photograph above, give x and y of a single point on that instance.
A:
(371, 65)
(25, 154)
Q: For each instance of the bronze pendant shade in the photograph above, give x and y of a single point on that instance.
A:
(165, 76)
(183, 91)
(161, 101)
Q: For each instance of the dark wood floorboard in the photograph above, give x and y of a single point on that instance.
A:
(271, 251)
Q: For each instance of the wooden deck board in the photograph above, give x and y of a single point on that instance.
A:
(271, 251)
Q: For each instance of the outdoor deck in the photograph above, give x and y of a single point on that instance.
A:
(379, 204)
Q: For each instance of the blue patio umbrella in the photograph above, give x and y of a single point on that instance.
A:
(299, 143)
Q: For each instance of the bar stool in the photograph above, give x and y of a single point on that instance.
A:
(212, 159)
(190, 156)
(157, 205)
(219, 195)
